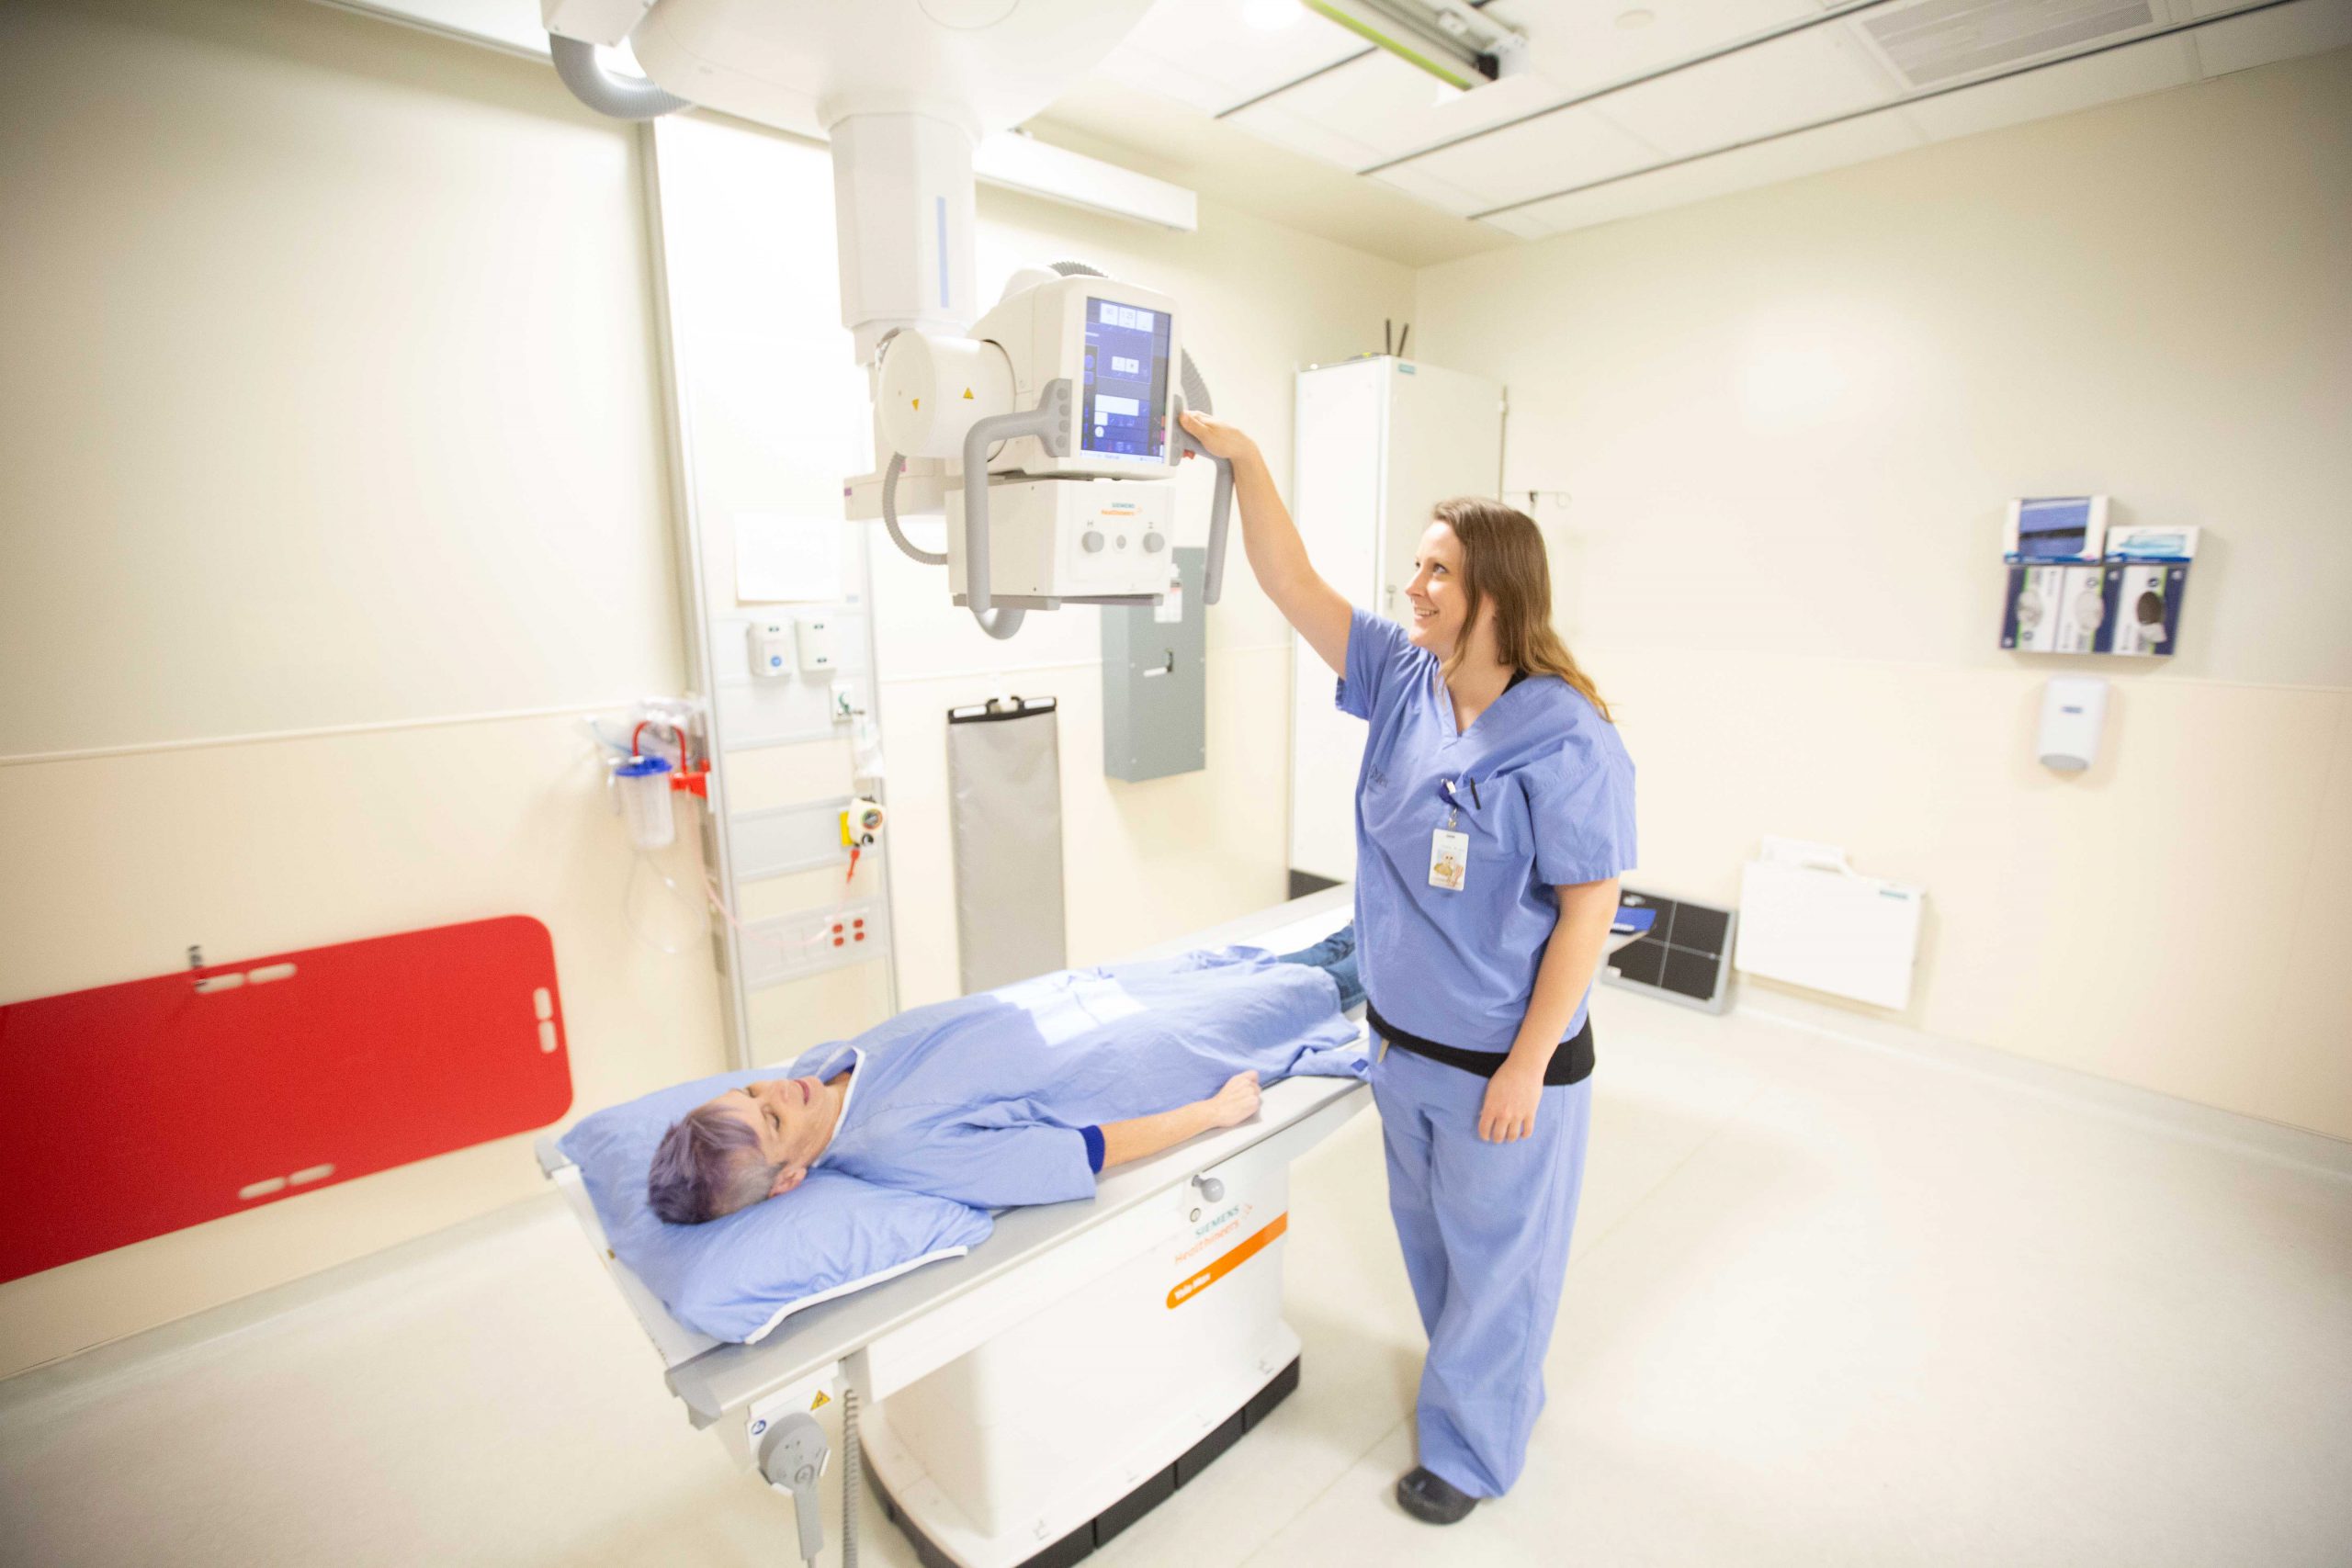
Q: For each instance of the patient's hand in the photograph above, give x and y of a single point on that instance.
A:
(1236, 1102)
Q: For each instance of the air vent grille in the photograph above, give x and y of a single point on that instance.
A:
(1942, 41)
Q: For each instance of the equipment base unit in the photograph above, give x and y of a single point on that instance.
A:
(1066, 1427)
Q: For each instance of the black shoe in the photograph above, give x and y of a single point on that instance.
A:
(1432, 1499)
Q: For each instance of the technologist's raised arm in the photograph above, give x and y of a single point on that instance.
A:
(1277, 552)
(1230, 1107)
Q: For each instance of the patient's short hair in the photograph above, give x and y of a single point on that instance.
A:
(708, 1165)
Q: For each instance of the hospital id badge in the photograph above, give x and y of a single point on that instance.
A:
(1448, 860)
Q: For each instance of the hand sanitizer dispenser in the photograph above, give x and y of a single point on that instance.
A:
(2074, 710)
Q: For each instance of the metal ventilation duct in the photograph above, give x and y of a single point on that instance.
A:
(1942, 41)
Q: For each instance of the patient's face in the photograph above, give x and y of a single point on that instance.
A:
(790, 1116)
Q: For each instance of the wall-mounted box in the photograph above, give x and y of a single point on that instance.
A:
(2062, 527)
(2029, 609)
(1155, 683)
(2147, 578)
(2080, 584)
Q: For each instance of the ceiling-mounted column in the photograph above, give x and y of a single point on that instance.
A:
(902, 199)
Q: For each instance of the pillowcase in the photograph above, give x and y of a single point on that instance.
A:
(737, 1278)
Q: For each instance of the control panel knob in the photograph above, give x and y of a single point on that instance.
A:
(1152, 544)
(1211, 1187)
(1092, 542)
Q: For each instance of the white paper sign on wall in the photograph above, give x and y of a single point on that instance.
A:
(784, 559)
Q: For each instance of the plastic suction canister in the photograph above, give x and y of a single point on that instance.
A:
(643, 783)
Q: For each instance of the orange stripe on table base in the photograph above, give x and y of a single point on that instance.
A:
(1194, 1284)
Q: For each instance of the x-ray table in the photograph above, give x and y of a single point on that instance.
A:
(1045, 1389)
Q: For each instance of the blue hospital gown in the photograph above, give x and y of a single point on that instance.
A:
(983, 1099)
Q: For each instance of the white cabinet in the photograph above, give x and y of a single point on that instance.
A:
(1379, 443)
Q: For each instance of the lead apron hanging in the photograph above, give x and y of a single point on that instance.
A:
(1004, 774)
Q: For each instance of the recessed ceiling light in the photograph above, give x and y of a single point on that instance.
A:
(1635, 20)
(1270, 15)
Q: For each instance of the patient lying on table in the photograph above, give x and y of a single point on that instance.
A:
(1025, 1094)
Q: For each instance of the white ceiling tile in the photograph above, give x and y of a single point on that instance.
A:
(2146, 67)
(1275, 122)
(1411, 179)
(1569, 148)
(1213, 41)
(1523, 225)
(1578, 44)
(1138, 71)
(2307, 27)
(1385, 104)
(1790, 82)
(1791, 157)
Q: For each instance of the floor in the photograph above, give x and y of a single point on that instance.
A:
(1836, 1297)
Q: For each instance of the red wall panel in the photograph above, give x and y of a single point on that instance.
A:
(130, 1110)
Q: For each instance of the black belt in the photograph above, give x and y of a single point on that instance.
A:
(1571, 1060)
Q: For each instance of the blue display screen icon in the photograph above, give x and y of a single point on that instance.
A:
(1126, 398)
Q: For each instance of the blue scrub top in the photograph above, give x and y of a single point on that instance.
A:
(1554, 807)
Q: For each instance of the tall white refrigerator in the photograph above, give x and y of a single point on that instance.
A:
(1379, 442)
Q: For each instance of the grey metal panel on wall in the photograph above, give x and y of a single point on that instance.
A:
(1155, 684)
(1005, 807)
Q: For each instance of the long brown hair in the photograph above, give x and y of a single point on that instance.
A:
(1503, 559)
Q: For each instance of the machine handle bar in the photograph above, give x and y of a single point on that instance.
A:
(1220, 509)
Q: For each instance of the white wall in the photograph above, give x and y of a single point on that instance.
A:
(327, 401)
(1787, 421)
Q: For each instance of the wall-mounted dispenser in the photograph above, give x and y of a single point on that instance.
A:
(2074, 710)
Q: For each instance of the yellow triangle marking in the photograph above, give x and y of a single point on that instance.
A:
(968, 394)
(918, 402)
(821, 1401)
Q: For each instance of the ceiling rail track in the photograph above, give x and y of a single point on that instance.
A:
(1318, 74)
(1920, 98)
(1659, 72)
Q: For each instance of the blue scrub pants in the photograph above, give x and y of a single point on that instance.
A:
(1484, 1229)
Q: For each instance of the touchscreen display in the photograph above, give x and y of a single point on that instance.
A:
(1127, 381)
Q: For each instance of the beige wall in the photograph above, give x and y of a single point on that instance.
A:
(327, 399)
(1786, 422)
(331, 416)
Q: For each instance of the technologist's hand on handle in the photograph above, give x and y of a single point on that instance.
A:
(1218, 438)
(1270, 540)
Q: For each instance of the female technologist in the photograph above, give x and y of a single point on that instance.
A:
(1494, 813)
